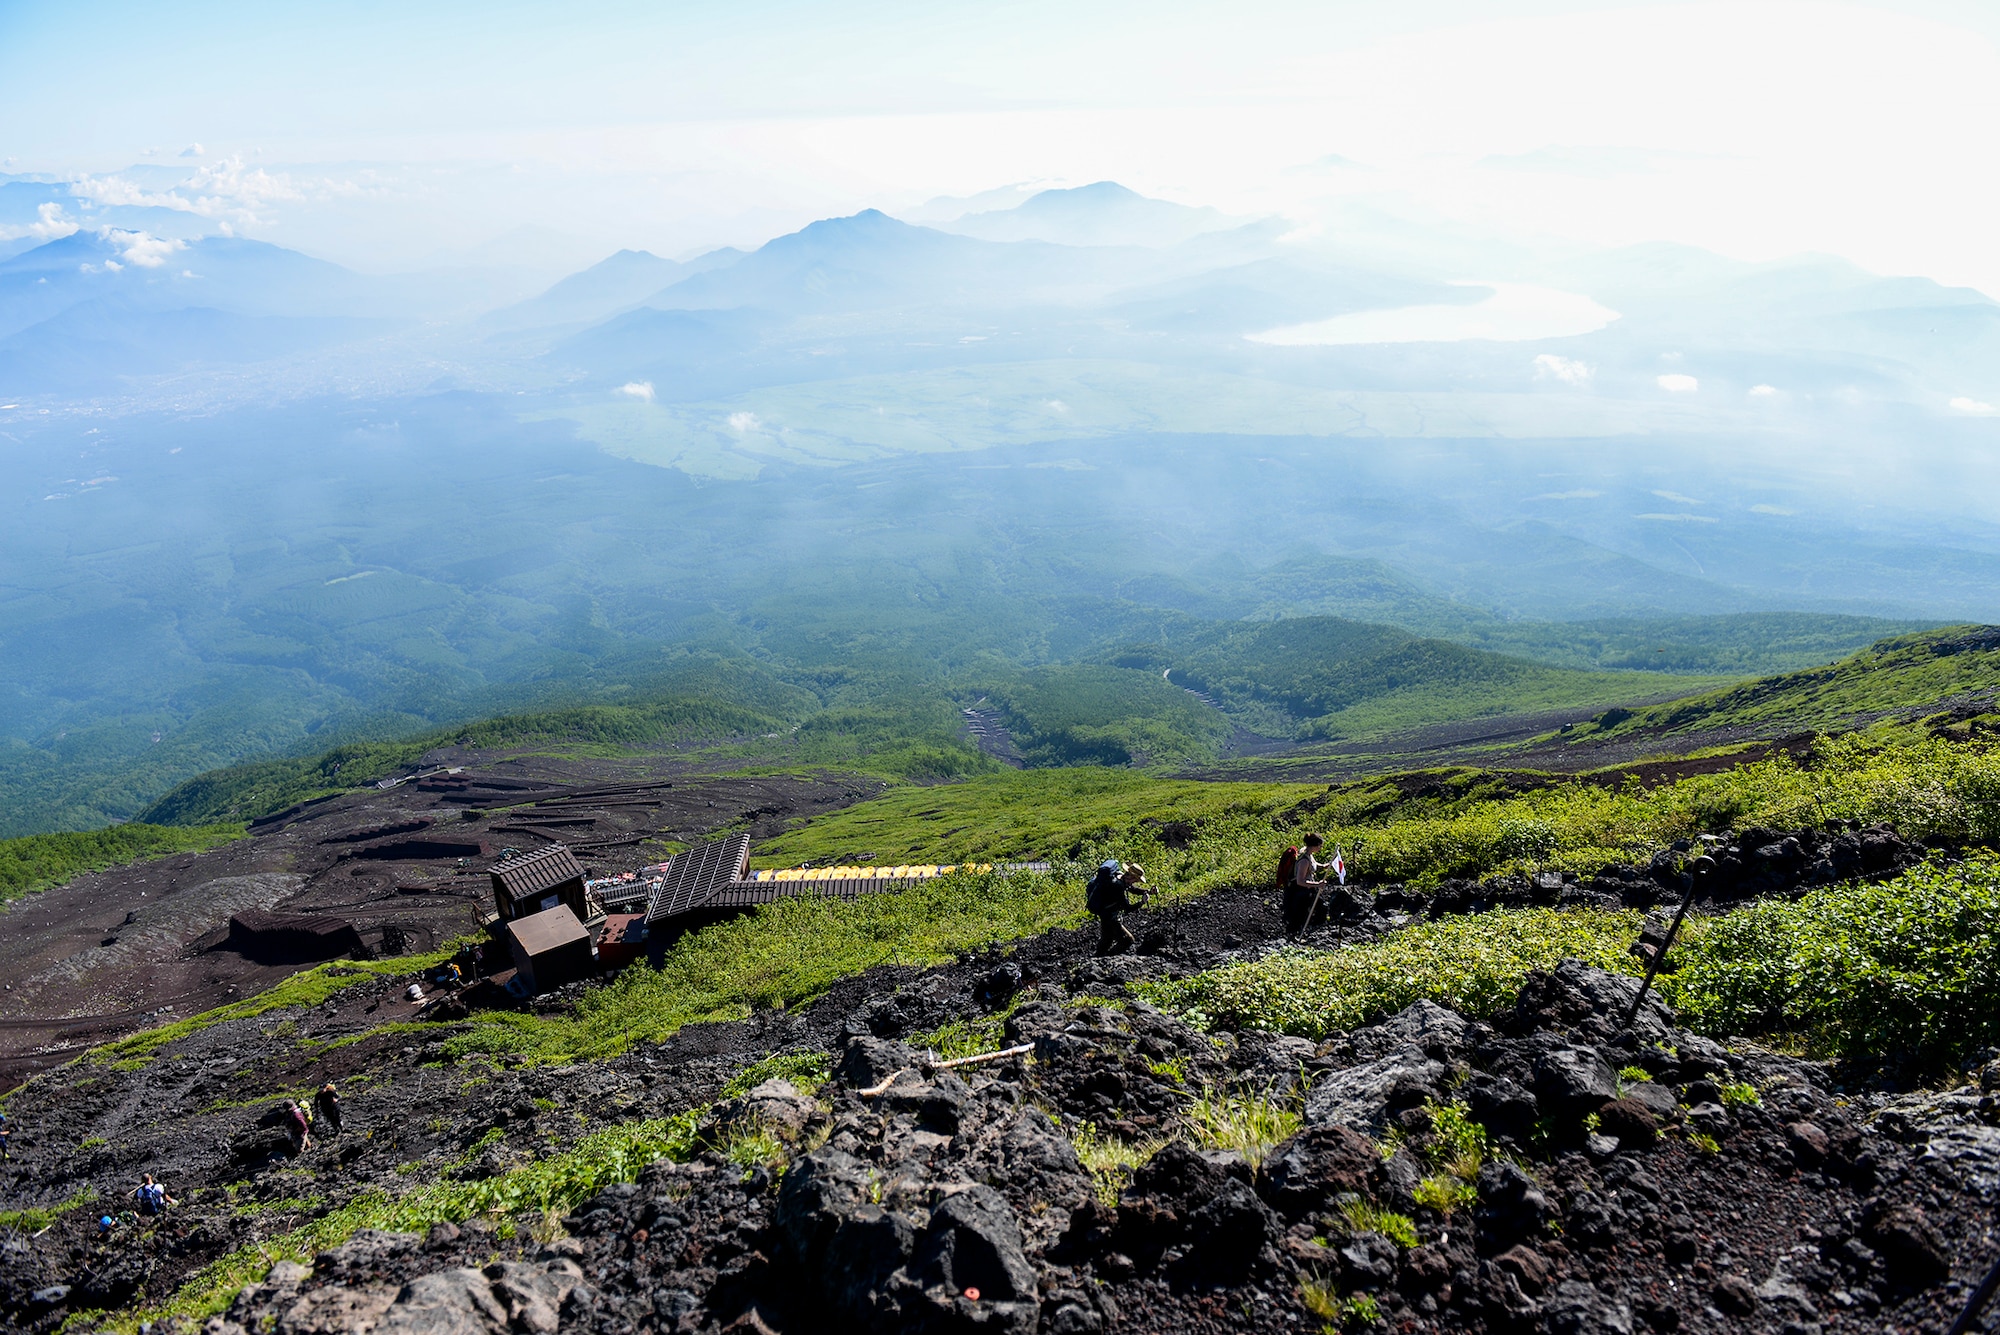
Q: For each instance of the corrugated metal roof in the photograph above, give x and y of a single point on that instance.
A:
(690, 879)
(537, 871)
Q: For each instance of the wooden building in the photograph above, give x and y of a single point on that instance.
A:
(540, 881)
(551, 948)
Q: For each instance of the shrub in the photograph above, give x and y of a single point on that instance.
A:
(1474, 964)
(1906, 971)
(806, 1071)
(1364, 1216)
(1445, 1193)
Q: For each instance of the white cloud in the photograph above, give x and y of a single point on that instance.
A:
(1057, 406)
(1679, 384)
(638, 389)
(141, 248)
(1580, 494)
(225, 191)
(1677, 498)
(1678, 519)
(1771, 510)
(1973, 406)
(1765, 391)
(1548, 366)
(193, 151)
(744, 423)
(50, 224)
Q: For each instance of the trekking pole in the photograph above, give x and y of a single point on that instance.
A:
(1306, 926)
(1977, 1302)
(1660, 955)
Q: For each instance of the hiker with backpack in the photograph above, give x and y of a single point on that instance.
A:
(326, 1106)
(152, 1197)
(1109, 895)
(298, 1124)
(1301, 884)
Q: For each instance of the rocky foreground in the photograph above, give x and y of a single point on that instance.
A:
(1626, 1179)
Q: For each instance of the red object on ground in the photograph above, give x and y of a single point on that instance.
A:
(972, 1295)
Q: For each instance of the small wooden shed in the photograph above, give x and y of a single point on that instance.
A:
(538, 882)
(551, 948)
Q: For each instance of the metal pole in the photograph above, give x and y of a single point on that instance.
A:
(1660, 955)
(1977, 1302)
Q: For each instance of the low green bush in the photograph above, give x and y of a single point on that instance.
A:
(1907, 971)
(1474, 964)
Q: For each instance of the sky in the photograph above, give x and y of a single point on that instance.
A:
(393, 136)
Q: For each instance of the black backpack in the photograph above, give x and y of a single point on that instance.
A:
(1103, 896)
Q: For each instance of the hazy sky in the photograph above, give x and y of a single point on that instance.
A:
(387, 135)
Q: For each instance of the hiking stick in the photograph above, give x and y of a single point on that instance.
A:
(1977, 1302)
(1306, 926)
(1660, 955)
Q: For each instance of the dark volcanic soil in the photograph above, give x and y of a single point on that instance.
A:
(905, 1196)
(137, 946)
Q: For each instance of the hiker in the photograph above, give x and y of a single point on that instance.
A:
(1110, 894)
(326, 1108)
(6, 1140)
(105, 1223)
(1299, 879)
(152, 1197)
(299, 1122)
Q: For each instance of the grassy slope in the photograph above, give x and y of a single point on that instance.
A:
(1020, 814)
(1325, 677)
(245, 792)
(1742, 644)
(1901, 678)
(38, 861)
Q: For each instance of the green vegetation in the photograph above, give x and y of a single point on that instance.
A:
(1325, 677)
(1248, 1124)
(550, 1186)
(1456, 1147)
(1111, 1161)
(1907, 971)
(963, 1038)
(1474, 964)
(1070, 813)
(806, 1071)
(1899, 679)
(1478, 823)
(781, 955)
(37, 861)
(1365, 1216)
(1417, 829)
(1742, 1095)
(1087, 715)
(35, 1218)
(1320, 1295)
(246, 792)
(1743, 644)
